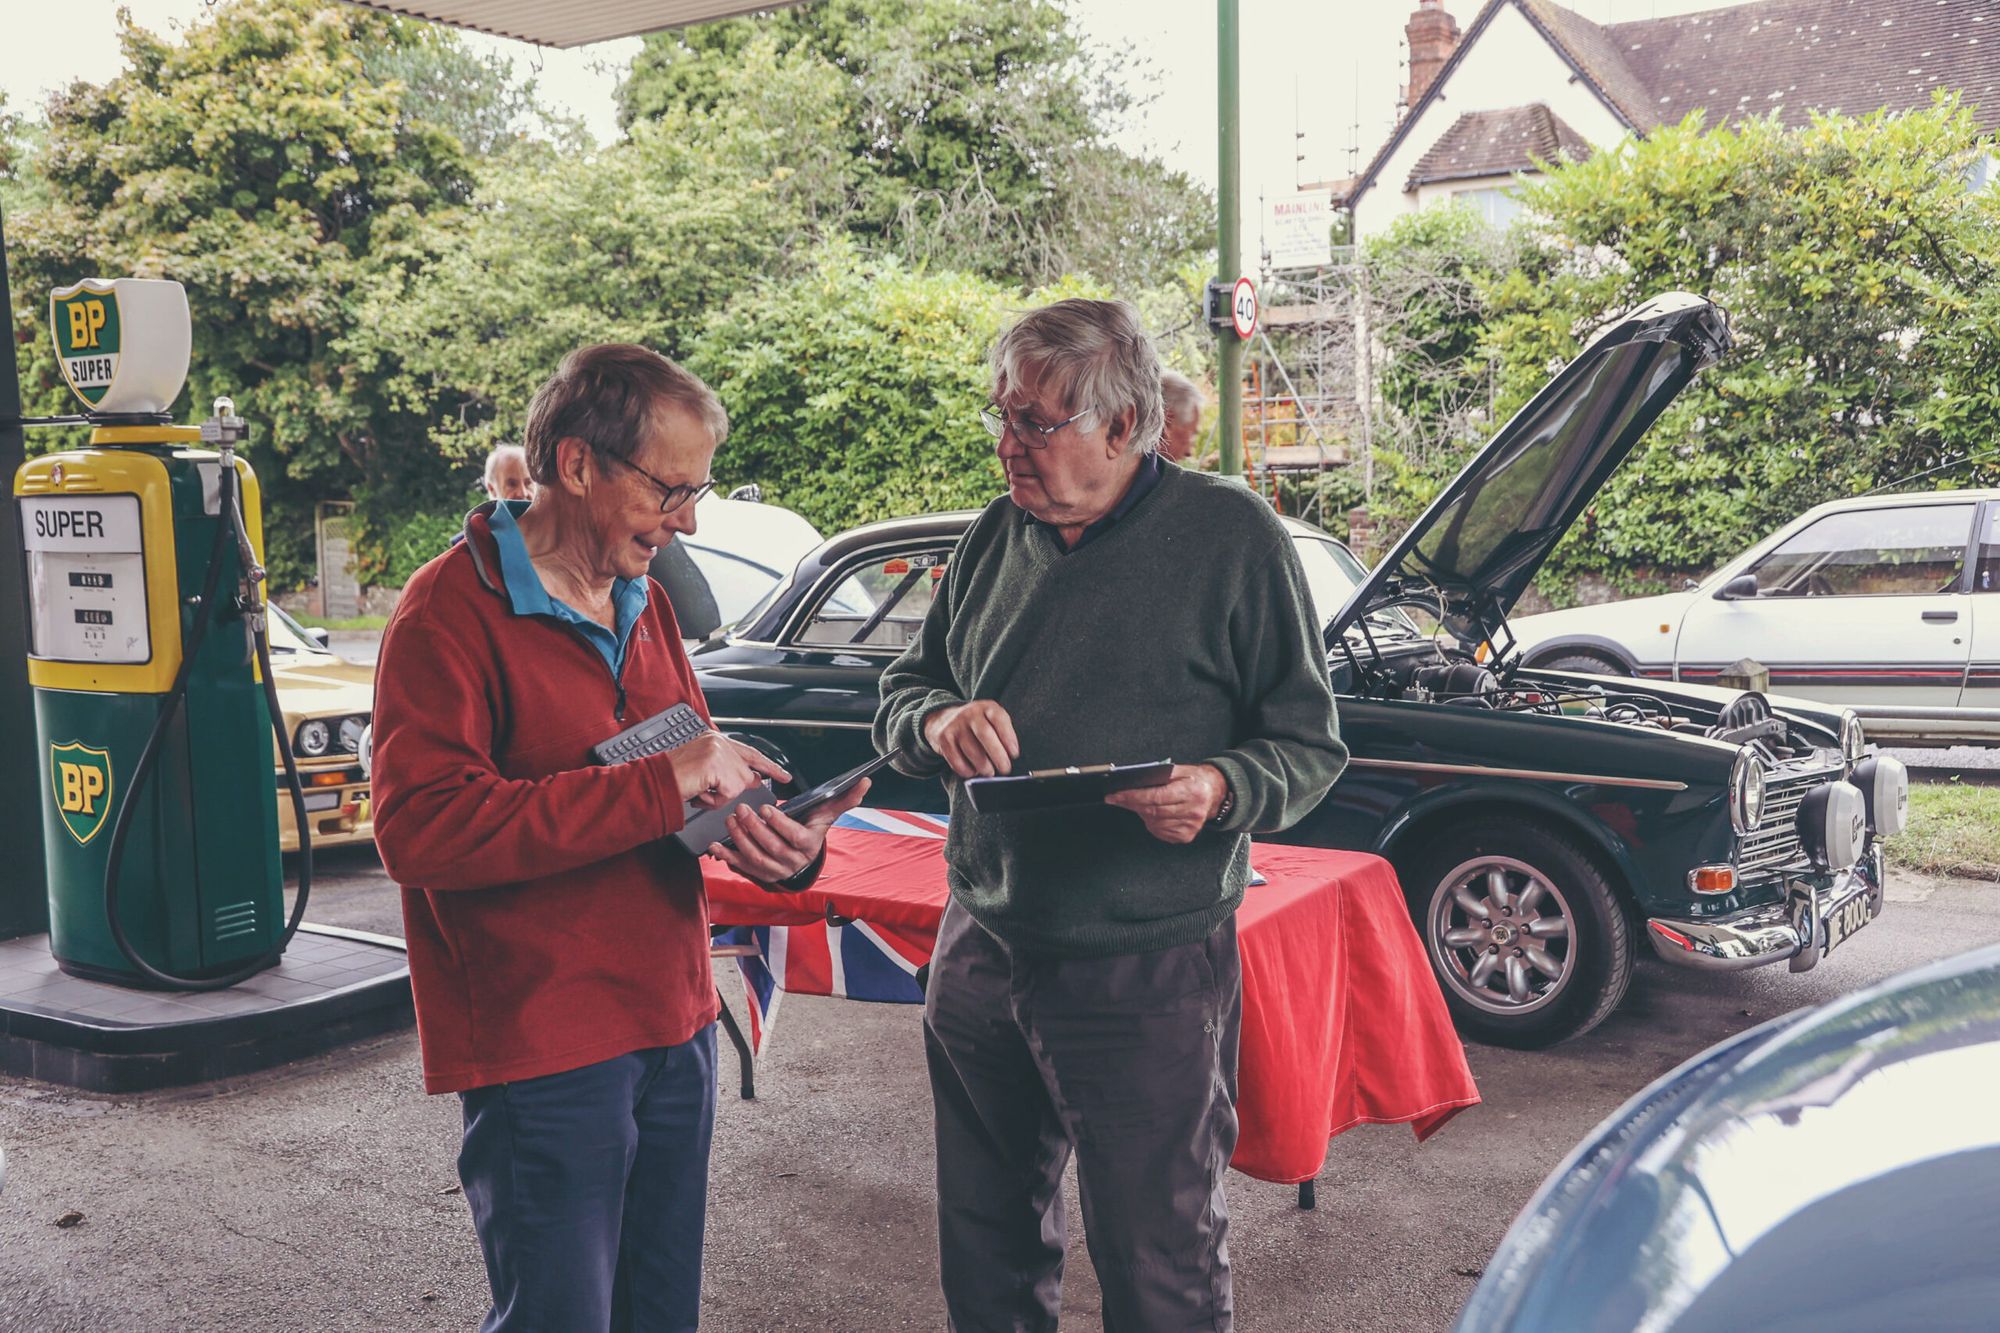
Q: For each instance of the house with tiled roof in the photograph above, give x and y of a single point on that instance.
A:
(1529, 81)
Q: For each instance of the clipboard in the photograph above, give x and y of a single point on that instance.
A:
(1050, 788)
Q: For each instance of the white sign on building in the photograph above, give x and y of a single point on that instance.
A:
(1298, 228)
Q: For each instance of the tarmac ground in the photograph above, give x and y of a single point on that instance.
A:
(322, 1196)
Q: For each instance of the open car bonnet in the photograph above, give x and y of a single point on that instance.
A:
(1475, 550)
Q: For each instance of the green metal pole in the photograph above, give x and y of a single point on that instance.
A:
(24, 898)
(1229, 258)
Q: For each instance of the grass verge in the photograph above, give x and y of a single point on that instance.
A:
(350, 623)
(1954, 830)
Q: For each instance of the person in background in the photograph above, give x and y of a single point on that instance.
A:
(558, 940)
(1182, 402)
(1085, 993)
(507, 474)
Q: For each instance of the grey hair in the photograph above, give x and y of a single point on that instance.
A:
(607, 396)
(503, 451)
(1096, 358)
(1180, 395)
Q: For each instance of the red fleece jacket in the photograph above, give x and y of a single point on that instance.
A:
(549, 925)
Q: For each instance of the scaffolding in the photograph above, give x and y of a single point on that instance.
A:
(1303, 387)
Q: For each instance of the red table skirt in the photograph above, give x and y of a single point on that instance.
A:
(1342, 1021)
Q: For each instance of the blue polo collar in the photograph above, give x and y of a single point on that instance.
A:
(529, 598)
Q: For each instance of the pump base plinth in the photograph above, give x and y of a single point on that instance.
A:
(332, 987)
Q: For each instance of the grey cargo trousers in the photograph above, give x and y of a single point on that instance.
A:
(1129, 1061)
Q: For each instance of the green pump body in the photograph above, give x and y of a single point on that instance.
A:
(119, 537)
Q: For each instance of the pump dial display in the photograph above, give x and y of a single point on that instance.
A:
(86, 578)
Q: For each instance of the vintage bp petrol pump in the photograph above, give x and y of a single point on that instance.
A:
(154, 703)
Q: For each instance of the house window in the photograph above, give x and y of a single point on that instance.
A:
(1981, 175)
(1496, 207)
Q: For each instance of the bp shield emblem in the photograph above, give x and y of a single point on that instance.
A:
(87, 331)
(82, 788)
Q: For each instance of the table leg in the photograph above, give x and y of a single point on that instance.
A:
(744, 1059)
(1308, 1194)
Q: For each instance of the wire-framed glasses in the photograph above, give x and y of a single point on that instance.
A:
(671, 497)
(1029, 433)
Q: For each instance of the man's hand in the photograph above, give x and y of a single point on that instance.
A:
(770, 845)
(711, 770)
(1182, 808)
(976, 739)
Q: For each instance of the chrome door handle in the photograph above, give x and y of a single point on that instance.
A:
(1941, 617)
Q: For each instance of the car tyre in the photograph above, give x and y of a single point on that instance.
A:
(1594, 664)
(1524, 932)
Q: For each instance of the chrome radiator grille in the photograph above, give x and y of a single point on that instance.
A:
(1775, 840)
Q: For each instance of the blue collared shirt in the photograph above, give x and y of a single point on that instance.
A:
(530, 598)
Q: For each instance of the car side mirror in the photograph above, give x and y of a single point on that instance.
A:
(1739, 589)
(1690, 585)
(752, 493)
(321, 637)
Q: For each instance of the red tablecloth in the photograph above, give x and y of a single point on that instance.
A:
(1342, 1021)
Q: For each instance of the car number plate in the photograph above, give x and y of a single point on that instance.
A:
(1845, 919)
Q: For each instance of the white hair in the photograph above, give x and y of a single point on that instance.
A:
(504, 451)
(1094, 356)
(1181, 396)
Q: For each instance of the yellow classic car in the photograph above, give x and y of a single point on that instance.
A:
(328, 705)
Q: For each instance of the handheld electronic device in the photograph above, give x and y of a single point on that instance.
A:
(670, 730)
(798, 807)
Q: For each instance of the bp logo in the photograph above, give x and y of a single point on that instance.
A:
(87, 334)
(82, 779)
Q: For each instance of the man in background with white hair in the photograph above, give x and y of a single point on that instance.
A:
(1085, 993)
(507, 474)
(1183, 403)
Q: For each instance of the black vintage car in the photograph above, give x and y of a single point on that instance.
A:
(1542, 822)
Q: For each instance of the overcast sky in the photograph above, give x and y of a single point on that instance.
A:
(1328, 71)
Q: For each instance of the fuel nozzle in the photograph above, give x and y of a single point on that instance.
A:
(225, 429)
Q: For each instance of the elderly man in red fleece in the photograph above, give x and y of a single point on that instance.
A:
(558, 939)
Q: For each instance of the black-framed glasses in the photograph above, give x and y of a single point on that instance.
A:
(671, 497)
(1030, 435)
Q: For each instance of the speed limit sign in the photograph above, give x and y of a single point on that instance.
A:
(1243, 308)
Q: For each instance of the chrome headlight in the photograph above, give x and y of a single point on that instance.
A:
(350, 732)
(1853, 742)
(1885, 788)
(312, 739)
(366, 751)
(1833, 825)
(1746, 792)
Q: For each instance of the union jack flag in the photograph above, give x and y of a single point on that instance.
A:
(855, 960)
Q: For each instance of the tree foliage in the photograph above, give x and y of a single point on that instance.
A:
(273, 161)
(976, 133)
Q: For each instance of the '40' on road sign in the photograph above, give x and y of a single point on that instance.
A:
(1243, 308)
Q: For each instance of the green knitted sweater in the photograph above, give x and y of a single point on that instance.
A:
(1182, 632)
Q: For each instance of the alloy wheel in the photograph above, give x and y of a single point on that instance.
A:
(1500, 934)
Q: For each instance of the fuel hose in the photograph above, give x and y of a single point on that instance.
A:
(229, 528)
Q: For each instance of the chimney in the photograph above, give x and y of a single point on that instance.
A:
(1433, 36)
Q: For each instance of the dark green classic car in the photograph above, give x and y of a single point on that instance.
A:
(1542, 822)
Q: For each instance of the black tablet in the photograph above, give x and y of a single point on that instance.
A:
(798, 807)
(1054, 787)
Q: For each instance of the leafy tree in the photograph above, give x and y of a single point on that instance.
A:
(272, 161)
(854, 388)
(637, 242)
(976, 134)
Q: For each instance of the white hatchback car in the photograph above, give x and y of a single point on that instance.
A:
(1889, 605)
(739, 551)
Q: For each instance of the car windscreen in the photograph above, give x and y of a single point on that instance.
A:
(1332, 575)
(288, 636)
(739, 586)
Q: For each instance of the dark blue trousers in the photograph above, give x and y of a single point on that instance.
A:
(588, 1189)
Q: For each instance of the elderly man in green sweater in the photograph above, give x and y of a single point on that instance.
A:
(1085, 994)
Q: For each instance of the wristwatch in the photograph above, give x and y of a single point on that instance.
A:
(1223, 811)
